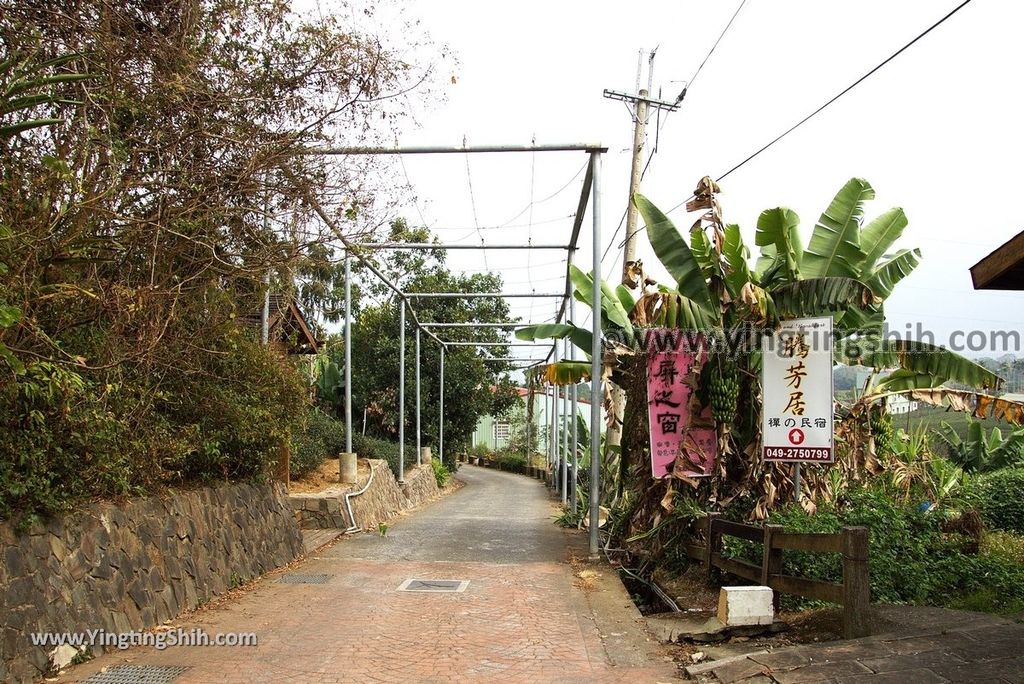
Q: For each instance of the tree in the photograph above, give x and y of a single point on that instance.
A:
(148, 184)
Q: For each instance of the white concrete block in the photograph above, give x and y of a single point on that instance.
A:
(739, 606)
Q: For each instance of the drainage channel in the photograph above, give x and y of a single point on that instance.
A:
(648, 597)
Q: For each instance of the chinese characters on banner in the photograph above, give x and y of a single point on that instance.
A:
(678, 426)
(797, 385)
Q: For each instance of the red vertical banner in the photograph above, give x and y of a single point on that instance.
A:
(683, 437)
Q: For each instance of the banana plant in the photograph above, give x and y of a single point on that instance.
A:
(980, 452)
(846, 270)
(330, 383)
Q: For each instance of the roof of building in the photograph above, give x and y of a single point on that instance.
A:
(287, 324)
(1003, 269)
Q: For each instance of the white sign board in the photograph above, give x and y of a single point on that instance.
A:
(797, 385)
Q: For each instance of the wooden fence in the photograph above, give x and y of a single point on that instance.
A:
(854, 594)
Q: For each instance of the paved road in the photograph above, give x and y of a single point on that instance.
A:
(522, 617)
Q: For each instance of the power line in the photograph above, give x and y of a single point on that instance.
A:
(542, 201)
(658, 128)
(415, 200)
(833, 99)
(559, 219)
(849, 87)
(711, 51)
(472, 202)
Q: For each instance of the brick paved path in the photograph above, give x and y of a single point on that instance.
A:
(521, 619)
(955, 647)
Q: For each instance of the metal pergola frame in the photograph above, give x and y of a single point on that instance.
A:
(558, 455)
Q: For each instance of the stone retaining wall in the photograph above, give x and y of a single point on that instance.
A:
(130, 567)
(384, 499)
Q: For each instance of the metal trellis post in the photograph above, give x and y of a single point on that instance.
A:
(348, 354)
(401, 391)
(440, 413)
(419, 446)
(575, 410)
(595, 366)
(565, 432)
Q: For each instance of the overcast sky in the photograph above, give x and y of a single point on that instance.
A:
(937, 131)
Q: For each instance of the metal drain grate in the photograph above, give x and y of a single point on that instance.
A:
(296, 578)
(137, 674)
(436, 586)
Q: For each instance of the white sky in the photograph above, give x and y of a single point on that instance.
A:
(937, 131)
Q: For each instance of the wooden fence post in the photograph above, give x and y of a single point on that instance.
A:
(856, 584)
(771, 563)
(714, 543)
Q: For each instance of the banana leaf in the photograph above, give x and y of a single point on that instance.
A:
(6, 131)
(903, 380)
(566, 373)
(580, 337)
(674, 253)
(895, 269)
(878, 236)
(736, 253)
(671, 310)
(780, 228)
(612, 311)
(626, 298)
(703, 253)
(925, 359)
(820, 296)
(834, 249)
(869, 320)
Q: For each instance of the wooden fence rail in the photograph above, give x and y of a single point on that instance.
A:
(854, 594)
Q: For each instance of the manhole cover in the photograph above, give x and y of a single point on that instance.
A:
(304, 579)
(137, 674)
(450, 586)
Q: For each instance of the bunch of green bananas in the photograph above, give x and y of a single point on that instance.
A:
(882, 430)
(724, 390)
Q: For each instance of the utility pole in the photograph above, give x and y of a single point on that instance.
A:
(642, 104)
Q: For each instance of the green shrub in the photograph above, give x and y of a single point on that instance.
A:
(328, 431)
(441, 473)
(1005, 545)
(999, 497)
(365, 447)
(911, 559)
(322, 437)
(68, 435)
(371, 447)
(515, 463)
